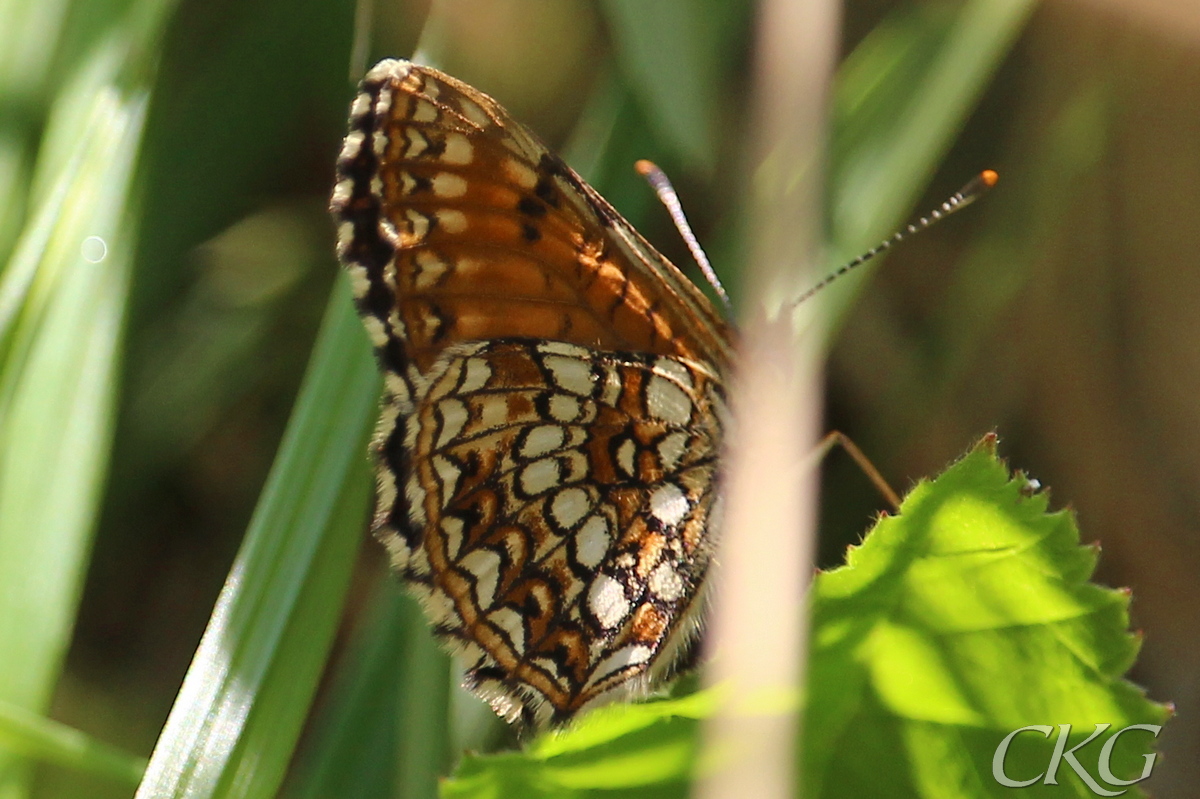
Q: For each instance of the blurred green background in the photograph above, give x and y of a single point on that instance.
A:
(197, 140)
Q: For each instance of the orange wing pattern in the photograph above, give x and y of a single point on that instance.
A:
(553, 405)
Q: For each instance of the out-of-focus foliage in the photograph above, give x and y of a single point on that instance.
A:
(145, 385)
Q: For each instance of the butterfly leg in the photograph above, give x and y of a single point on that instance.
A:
(838, 438)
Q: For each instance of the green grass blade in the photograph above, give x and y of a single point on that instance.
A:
(668, 52)
(39, 738)
(58, 380)
(239, 713)
(893, 130)
(356, 729)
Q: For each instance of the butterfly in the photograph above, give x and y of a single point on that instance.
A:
(554, 401)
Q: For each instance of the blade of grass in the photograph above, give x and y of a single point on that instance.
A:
(667, 51)
(894, 154)
(247, 692)
(40, 738)
(57, 394)
(356, 729)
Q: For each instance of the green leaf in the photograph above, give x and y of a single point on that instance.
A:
(644, 750)
(963, 618)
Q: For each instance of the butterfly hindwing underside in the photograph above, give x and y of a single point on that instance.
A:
(553, 405)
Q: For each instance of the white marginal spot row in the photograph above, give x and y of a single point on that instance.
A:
(453, 413)
(669, 505)
(512, 624)
(448, 185)
(484, 566)
(607, 602)
(429, 269)
(452, 220)
(620, 660)
(519, 173)
(665, 582)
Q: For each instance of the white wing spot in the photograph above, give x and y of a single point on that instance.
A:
(575, 464)
(564, 408)
(375, 330)
(540, 476)
(439, 606)
(458, 150)
(452, 221)
(665, 582)
(352, 144)
(415, 140)
(448, 476)
(623, 658)
(541, 440)
(570, 374)
(424, 111)
(477, 374)
(675, 370)
(430, 269)
(493, 413)
(432, 325)
(669, 504)
(484, 564)
(671, 449)
(563, 348)
(418, 227)
(454, 418)
(474, 114)
(569, 506)
(513, 625)
(519, 173)
(388, 68)
(360, 107)
(667, 401)
(610, 394)
(359, 284)
(607, 602)
(341, 196)
(625, 456)
(592, 542)
(448, 185)
(452, 529)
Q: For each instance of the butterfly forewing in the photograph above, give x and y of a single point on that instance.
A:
(553, 407)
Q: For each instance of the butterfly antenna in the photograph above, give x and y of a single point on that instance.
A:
(661, 184)
(968, 194)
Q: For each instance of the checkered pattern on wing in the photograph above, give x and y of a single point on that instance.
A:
(551, 412)
(565, 496)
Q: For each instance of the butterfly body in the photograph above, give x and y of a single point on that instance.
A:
(553, 405)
